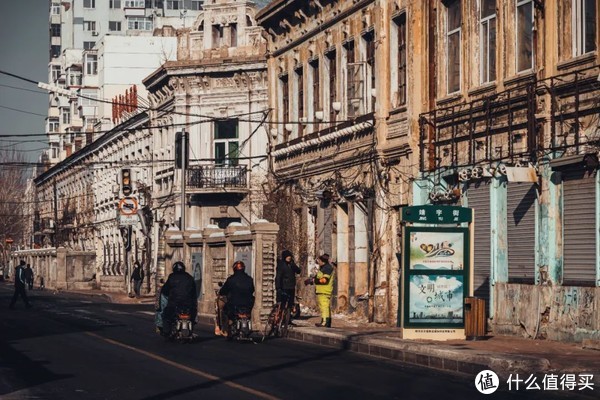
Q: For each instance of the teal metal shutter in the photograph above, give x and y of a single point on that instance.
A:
(478, 195)
(579, 227)
(520, 207)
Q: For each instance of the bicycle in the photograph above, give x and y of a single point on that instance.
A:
(278, 322)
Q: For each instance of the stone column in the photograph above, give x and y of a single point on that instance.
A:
(265, 256)
(61, 268)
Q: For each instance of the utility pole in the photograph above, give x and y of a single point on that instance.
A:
(183, 163)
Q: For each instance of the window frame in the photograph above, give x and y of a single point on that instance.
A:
(55, 30)
(171, 3)
(300, 87)
(400, 22)
(579, 28)
(89, 26)
(114, 4)
(228, 141)
(331, 57)
(117, 24)
(484, 34)
(520, 3)
(91, 4)
(91, 60)
(449, 33)
(137, 22)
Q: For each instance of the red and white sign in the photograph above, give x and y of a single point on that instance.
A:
(128, 206)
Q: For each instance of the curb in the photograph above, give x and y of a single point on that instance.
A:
(437, 356)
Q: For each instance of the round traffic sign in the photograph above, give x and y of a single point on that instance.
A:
(128, 206)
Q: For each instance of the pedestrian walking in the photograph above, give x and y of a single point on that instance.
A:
(323, 281)
(137, 277)
(29, 277)
(285, 278)
(20, 286)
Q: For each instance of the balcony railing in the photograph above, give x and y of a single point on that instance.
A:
(217, 177)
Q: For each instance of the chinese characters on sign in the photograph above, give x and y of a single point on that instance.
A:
(436, 299)
(437, 250)
(436, 214)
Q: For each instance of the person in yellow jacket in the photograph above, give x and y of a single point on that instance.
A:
(323, 281)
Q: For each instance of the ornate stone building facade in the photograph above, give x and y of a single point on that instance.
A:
(346, 98)
(217, 92)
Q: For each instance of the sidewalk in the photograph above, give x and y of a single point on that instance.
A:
(504, 355)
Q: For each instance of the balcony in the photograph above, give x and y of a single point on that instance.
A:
(217, 179)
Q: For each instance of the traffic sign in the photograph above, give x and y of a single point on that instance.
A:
(128, 206)
(128, 220)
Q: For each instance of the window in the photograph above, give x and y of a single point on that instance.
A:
(148, 4)
(88, 45)
(91, 64)
(316, 85)
(369, 42)
(55, 30)
(331, 58)
(134, 3)
(114, 3)
(53, 125)
(55, 9)
(196, 5)
(74, 78)
(233, 29)
(300, 90)
(584, 26)
(524, 44)
(488, 41)
(88, 97)
(453, 36)
(66, 116)
(226, 142)
(217, 36)
(89, 3)
(114, 26)
(55, 73)
(139, 23)
(173, 4)
(54, 51)
(285, 103)
(89, 26)
(401, 58)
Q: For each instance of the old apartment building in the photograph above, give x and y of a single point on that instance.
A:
(345, 86)
(512, 131)
(487, 104)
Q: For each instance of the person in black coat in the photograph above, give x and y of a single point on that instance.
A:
(239, 289)
(137, 277)
(285, 278)
(20, 280)
(180, 291)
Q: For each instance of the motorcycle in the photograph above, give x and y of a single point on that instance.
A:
(182, 329)
(240, 328)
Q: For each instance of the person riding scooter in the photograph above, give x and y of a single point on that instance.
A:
(180, 291)
(239, 290)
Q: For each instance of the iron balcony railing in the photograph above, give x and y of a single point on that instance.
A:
(217, 176)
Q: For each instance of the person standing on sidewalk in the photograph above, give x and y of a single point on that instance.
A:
(285, 278)
(137, 276)
(323, 281)
(29, 277)
(20, 286)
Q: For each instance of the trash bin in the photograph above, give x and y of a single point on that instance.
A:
(475, 320)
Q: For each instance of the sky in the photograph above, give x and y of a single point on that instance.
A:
(23, 51)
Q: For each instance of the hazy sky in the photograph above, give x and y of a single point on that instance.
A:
(23, 51)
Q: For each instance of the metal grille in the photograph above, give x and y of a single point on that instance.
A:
(579, 227)
(217, 176)
(521, 232)
(478, 195)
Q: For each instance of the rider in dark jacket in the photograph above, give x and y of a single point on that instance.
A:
(180, 290)
(239, 289)
(285, 278)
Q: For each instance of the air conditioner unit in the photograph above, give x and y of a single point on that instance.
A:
(94, 33)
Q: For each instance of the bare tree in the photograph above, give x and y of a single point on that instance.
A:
(12, 192)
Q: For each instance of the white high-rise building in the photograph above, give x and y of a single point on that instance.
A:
(98, 49)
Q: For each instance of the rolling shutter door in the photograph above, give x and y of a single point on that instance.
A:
(520, 223)
(479, 199)
(579, 226)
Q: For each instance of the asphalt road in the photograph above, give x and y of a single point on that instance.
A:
(83, 347)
